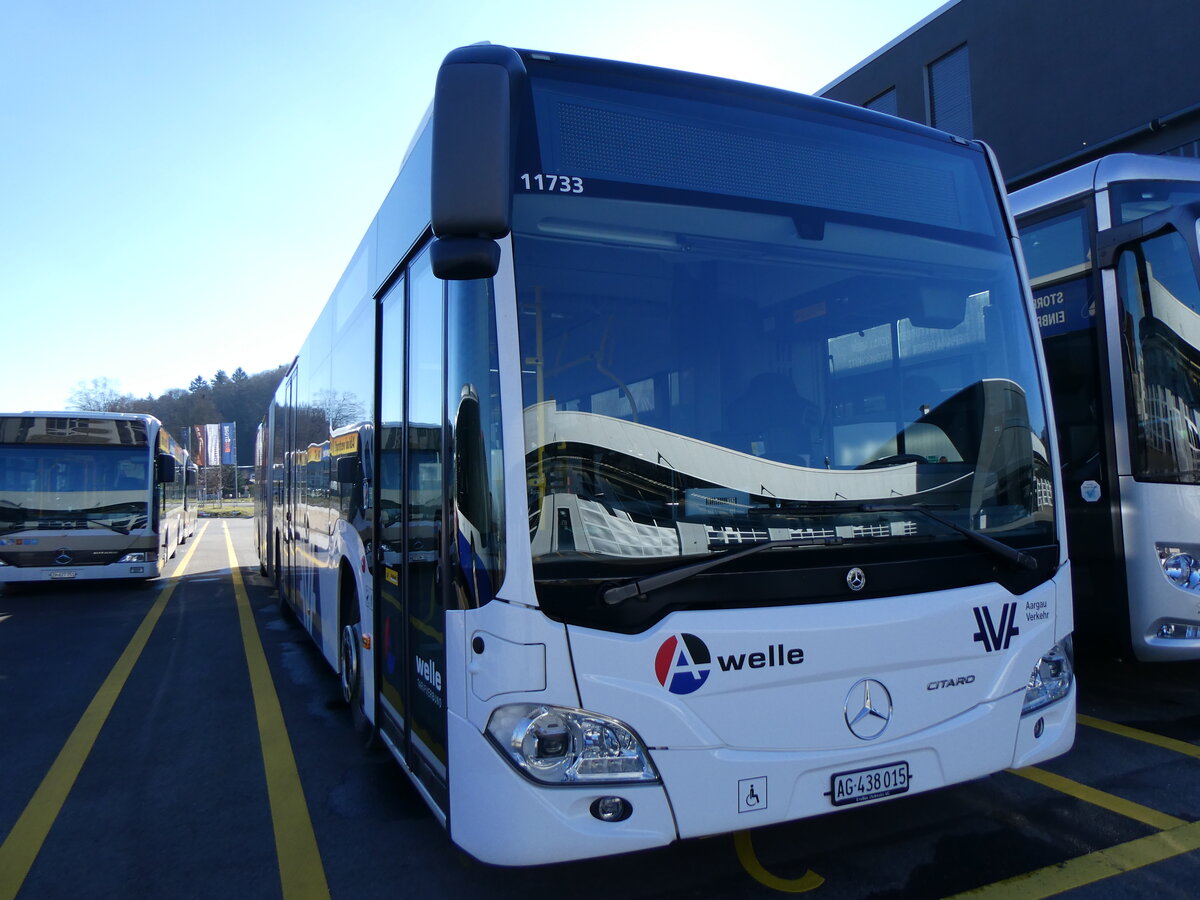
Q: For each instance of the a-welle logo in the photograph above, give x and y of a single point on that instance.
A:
(683, 662)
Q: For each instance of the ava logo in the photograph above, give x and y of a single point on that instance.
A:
(682, 663)
(996, 636)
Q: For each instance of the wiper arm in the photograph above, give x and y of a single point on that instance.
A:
(998, 548)
(622, 592)
(116, 528)
(641, 586)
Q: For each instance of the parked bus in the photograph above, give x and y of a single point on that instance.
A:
(674, 457)
(1111, 251)
(88, 495)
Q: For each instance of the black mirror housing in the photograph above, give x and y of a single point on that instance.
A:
(473, 144)
(462, 259)
(346, 469)
(164, 468)
(1182, 218)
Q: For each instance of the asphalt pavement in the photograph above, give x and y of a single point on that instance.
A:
(185, 738)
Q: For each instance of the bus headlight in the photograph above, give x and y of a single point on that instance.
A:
(556, 745)
(1051, 677)
(1182, 569)
(134, 557)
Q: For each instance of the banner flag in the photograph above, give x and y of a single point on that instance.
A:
(197, 445)
(228, 444)
(212, 445)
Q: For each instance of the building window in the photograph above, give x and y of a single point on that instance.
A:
(1191, 149)
(949, 80)
(884, 103)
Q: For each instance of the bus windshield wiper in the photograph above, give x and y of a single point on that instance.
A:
(117, 528)
(622, 592)
(998, 548)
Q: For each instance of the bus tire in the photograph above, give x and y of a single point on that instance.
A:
(284, 609)
(349, 670)
(350, 674)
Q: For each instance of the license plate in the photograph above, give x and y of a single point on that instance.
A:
(871, 783)
(62, 574)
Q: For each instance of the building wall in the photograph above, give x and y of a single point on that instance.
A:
(1054, 82)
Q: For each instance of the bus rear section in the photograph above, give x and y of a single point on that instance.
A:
(86, 496)
(705, 474)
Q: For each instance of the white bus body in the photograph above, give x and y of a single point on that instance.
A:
(90, 495)
(1111, 249)
(674, 458)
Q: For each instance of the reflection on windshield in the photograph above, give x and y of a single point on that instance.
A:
(60, 488)
(686, 391)
(1161, 338)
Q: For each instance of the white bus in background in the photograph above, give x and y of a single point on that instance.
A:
(90, 495)
(690, 466)
(1111, 249)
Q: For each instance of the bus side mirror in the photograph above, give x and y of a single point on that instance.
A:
(1182, 218)
(471, 188)
(462, 259)
(346, 470)
(164, 468)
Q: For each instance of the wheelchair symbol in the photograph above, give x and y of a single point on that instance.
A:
(752, 794)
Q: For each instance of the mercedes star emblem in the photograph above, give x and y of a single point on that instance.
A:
(868, 709)
(856, 579)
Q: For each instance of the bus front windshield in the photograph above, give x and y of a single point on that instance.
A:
(73, 487)
(1160, 294)
(703, 370)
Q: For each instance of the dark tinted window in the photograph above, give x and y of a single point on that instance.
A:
(884, 103)
(950, 93)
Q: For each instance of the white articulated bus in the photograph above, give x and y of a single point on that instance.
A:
(673, 458)
(1112, 254)
(88, 495)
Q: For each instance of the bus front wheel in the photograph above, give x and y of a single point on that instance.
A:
(348, 664)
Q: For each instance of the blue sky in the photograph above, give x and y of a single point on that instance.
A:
(182, 184)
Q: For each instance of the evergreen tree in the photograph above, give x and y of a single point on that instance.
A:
(240, 398)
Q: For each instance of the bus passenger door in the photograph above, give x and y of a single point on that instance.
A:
(1083, 410)
(287, 522)
(412, 534)
(389, 625)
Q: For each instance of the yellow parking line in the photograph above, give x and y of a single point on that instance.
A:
(1176, 837)
(301, 874)
(1146, 737)
(24, 842)
(1111, 802)
(1093, 867)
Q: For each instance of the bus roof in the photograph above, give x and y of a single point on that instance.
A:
(1099, 174)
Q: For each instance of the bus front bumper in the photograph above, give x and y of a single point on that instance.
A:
(501, 817)
(122, 571)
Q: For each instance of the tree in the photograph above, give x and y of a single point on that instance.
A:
(339, 408)
(240, 398)
(101, 395)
